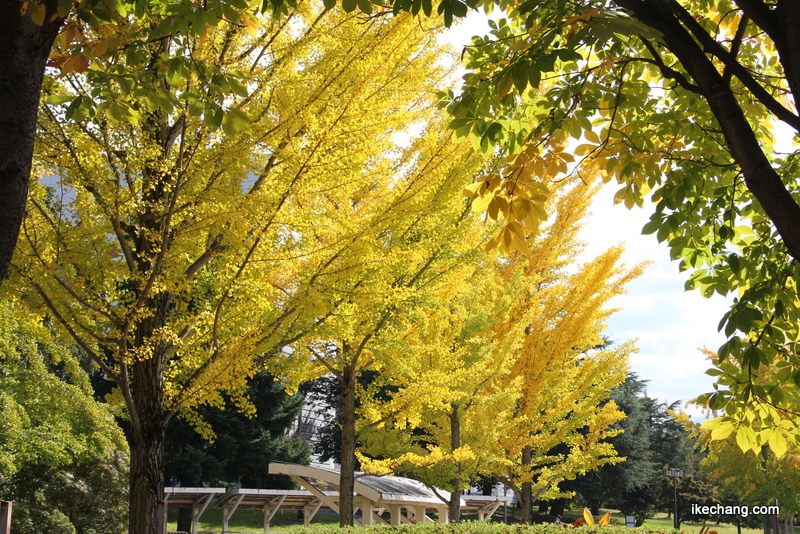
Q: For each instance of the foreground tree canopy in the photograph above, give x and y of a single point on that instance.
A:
(63, 459)
(676, 101)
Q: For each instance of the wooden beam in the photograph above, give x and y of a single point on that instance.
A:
(197, 510)
(269, 511)
(487, 510)
(310, 510)
(227, 511)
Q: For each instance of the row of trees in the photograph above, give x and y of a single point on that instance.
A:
(188, 226)
(726, 68)
(184, 245)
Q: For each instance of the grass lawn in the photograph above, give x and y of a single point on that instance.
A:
(284, 520)
(661, 521)
(251, 520)
(288, 521)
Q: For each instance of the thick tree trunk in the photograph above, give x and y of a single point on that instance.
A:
(146, 479)
(454, 506)
(527, 490)
(24, 47)
(347, 474)
(147, 446)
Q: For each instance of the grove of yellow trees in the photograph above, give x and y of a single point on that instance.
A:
(311, 222)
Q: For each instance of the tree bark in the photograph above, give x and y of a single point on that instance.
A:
(147, 446)
(454, 506)
(347, 473)
(527, 488)
(760, 178)
(24, 47)
(185, 519)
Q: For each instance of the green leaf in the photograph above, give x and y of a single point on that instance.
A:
(534, 76)
(520, 74)
(235, 121)
(59, 99)
(238, 87)
(427, 7)
(365, 6)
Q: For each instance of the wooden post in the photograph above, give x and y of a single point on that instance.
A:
(5, 517)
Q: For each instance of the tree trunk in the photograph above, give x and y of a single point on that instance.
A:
(454, 506)
(558, 506)
(527, 488)
(24, 47)
(147, 446)
(185, 519)
(147, 480)
(347, 474)
(761, 179)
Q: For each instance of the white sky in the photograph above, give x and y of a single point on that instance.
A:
(671, 324)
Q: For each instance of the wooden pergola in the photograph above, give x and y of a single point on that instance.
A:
(405, 500)
(270, 501)
(401, 499)
(197, 499)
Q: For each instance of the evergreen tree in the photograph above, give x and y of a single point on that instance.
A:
(653, 438)
(242, 446)
(614, 481)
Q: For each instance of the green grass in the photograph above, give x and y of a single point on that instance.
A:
(468, 527)
(251, 520)
(288, 521)
(662, 522)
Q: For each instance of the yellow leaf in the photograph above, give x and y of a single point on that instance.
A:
(472, 189)
(36, 10)
(722, 431)
(100, 48)
(587, 516)
(250, 24)
(777, 443)
(482, 202)
(77, 63)
(603, 521)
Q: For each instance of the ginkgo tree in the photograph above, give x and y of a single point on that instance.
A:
(449, 405)
(183, 250)
(500, 379)
(563, 416)
(423, 237)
